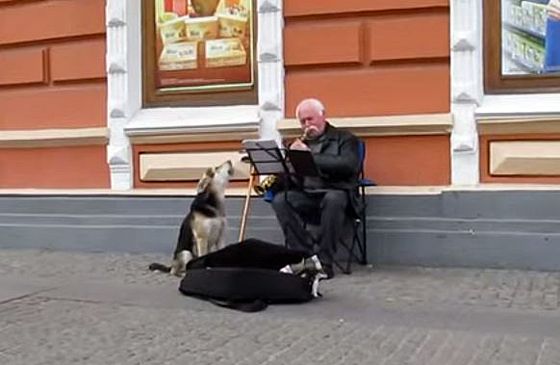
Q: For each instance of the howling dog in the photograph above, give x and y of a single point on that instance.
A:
(203, 229)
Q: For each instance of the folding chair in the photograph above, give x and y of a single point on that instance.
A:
(359, 226)
(359, 230)
(356, 248)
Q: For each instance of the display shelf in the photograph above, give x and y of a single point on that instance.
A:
(511, 26)
(543, 2)
(522, 64)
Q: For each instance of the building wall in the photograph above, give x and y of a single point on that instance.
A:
(358, 57)
(366, 58)
(53, 94)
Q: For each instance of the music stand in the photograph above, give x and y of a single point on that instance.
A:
(266, 158)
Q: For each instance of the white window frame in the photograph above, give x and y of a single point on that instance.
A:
(468, 101)
(126, 117)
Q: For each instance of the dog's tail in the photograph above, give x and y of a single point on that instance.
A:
(156, 266)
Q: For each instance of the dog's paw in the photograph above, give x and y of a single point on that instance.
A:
(179, 266)
(183, 259)
(176, 272)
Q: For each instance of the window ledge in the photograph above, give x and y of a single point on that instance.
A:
(543, 124)
(526, 105)
(54, 137)
(393, 125)
(163, 121)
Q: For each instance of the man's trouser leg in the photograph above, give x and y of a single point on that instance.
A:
(290, 206)
(333, 213)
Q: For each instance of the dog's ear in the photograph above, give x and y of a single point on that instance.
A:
(205, 180)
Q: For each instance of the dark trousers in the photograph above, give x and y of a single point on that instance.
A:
(325, 208)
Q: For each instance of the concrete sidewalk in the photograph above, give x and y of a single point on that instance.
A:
(68, 308)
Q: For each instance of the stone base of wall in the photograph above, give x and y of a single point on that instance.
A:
(515, 229)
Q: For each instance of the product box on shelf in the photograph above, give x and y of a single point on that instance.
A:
(534, 16)
(179, 56)
(197, 29)
(225, 52)
(173, 31)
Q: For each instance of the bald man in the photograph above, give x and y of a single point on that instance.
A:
(325, 200)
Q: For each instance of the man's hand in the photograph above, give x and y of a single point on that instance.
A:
(299, 145)
(554, 9)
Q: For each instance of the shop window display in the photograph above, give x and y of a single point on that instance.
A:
(199, 47)
(521, 46)
(530, 36)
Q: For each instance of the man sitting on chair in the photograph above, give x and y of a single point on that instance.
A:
(328, 199)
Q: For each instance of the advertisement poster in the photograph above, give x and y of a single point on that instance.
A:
(203, 45)
(530, 37)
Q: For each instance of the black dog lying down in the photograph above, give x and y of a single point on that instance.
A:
(251, 274)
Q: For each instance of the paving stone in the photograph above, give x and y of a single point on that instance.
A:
(108, 309)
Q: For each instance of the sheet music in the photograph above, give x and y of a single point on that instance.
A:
(303, 163)
(266, 156)
(258, 143)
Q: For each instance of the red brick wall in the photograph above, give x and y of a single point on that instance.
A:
(372, 58)
(52, 75)
(365, 57)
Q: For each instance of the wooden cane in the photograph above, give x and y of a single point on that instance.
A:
(246, 206)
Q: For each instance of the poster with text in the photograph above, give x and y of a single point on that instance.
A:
(203, 45)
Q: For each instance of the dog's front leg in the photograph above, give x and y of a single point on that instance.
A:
(202, 246)
(179, 264)
(222, 231)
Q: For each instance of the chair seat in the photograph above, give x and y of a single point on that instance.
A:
(366, 182)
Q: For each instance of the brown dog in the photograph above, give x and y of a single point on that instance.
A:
(203, 229)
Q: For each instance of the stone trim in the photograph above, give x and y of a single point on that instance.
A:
(187, 166)
(529, 125)
(527, 158)
(466, 88)
(44, 138)
(194, 138)
(401, 125)
(377, 190)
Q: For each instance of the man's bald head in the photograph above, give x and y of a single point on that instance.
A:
(311, 116)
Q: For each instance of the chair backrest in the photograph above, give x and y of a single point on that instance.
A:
(362, 156)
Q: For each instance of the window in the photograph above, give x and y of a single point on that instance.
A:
(521, 46)
(199, 52)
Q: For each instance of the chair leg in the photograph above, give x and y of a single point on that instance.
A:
(345, 269)
(358, 239)
(363, 246)
(351, 254)
(363, 217)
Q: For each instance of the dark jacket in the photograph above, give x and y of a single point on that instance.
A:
(339, 163)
